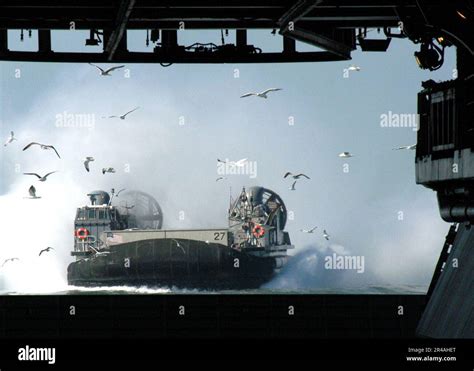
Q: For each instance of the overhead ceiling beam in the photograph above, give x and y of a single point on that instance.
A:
(297, 11)
(321, 40)
(123, 14)
(134, 24)
(289, 28)
(188, 57)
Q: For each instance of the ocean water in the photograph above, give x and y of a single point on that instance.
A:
(145, 290)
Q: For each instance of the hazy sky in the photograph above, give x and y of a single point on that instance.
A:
(190, 115)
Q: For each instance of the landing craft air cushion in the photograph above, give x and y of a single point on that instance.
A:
(125, 245)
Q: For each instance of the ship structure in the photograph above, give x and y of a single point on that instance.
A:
(124, 244)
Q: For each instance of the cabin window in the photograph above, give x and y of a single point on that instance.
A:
(102, 214)
(91, 214)
(80, 214)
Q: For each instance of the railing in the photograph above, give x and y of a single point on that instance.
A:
(85, 244)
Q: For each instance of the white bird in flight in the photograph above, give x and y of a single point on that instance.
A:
(42, 146)
(412, 147)
(179, 245)
(308, 230)
(353, 67)
(32, 192)
(124, 115)
(262, 94)
(87, 160)
(345, 155)
(99, 253)
(296, 176)
(292, 188)
(10, 139)
(326, 235)
(239, 163)
(41, 178)
(107, 71)
(108, 170)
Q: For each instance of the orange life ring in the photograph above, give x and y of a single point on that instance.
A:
(258, 231)
(82, 233)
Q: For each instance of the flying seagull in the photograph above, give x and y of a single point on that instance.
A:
(308, 230)
(345, 155)
(292, 188)
(87, 160)
(41, 178)
(179, 245)
(239, 163)
(326, 235)
(177, 242)
(108, 170)
(124, 115)
(42, 146)
(108, 71)
(99, 253)
(296, 176)
(353, 67)
(412, 147)
(45, 250)
(9, 260)
(262, 94)
(221, 178)
(32, 192)
(10, 139)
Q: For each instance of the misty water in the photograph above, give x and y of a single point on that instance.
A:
(306, 273)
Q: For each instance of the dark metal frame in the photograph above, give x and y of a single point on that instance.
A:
(329, 25)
